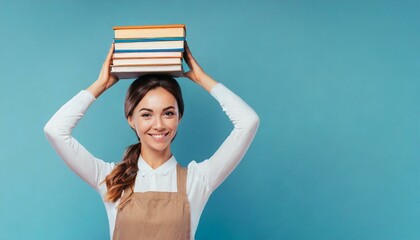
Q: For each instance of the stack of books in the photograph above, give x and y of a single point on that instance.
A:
(140, 50)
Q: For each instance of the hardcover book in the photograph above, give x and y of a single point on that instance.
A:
(157, 31)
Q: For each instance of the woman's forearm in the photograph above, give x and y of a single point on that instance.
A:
(97, 88)
(206, 82)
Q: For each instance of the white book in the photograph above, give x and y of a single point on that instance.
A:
(147, 55)
(146, 61)
(125, 72)
(149, 45)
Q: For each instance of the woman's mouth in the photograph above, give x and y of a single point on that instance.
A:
(159, 137)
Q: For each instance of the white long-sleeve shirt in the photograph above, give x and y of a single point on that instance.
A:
(203, 177)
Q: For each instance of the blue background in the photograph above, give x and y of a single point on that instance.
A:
(335, 83)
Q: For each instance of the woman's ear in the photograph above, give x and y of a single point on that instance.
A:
(130, 122)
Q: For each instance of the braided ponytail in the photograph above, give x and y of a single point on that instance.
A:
(124, 174)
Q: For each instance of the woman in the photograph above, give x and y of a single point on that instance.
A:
(148, 195)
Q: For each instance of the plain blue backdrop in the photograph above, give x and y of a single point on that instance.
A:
(336, 85)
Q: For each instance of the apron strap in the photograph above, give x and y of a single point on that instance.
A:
(125, 196)
(181, 179)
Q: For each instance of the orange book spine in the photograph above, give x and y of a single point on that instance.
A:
(150, 26)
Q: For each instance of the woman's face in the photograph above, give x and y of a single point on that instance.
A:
(155, 120)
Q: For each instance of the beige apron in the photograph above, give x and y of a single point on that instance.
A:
(155, 215)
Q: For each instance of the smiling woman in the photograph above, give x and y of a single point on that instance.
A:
(148, 195)
(156, 117)
(151, 108)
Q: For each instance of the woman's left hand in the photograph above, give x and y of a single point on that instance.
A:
(196, 73)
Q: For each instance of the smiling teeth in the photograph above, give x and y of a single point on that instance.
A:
(158, 136)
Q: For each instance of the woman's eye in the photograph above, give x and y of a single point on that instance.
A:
(170, 113)
(146, 115)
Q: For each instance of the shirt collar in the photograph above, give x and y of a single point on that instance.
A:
(164, 169)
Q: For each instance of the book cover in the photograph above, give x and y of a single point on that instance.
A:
(125, 40)
(127, 72)
(138, 68)
(149, 45)
(147, 61)
(130, 75)
(149, 32)
(150, 26)
(126, 55)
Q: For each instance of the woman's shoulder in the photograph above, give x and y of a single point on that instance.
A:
(196, 170)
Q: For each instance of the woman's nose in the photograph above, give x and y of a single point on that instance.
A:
(159, 125)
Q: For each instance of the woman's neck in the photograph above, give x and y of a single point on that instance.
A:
(154, 158)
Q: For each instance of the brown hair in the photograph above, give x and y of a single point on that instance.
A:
(124, 174)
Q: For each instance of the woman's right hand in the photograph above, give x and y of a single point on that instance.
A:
(105, 79)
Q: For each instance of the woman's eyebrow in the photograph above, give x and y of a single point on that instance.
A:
(168, 108)
(145, 109)
(150, 110)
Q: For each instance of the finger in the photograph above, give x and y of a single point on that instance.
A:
(191, 62)
(188, 51)
(187, 59)
(191, 58)
(187, 74)
(187, 48)
(111, 49)
(110, 52)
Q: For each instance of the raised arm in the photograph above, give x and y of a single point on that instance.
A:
(215, 170)
(59, 129)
